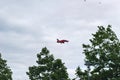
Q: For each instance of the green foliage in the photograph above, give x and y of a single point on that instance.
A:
(5, 72)
(104, 54)
(48, 68)
(82, 75)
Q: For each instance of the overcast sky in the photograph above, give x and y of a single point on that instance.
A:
(26, 26)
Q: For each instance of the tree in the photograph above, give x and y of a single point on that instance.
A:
(48, 68)
(5, 71)
(103, 54)
(80, 74)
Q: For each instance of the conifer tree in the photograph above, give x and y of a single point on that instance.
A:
(5, 71)
(48, 68)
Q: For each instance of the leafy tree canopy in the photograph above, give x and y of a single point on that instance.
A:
(103, 53)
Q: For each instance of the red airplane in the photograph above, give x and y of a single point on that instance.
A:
(62, 41)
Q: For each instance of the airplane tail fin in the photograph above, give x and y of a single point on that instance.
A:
(57, 40)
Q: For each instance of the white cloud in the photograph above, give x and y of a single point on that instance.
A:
(26, 26)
